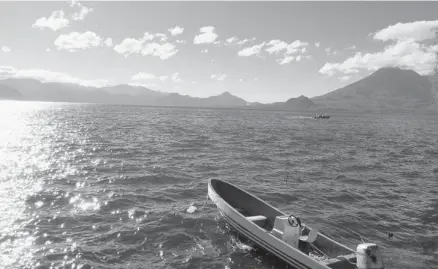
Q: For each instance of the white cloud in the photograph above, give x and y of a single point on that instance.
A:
(249, 51)
(407, 50)
(405, 54)
(176, 78)
(134, 46)
(176, 30)
(55, 22)
(351, 47)
(231, 40)
(48, 50)
(207, 35)
(48, 76)
(164, 51)
(5, 49)
(181, 41)
(129, 46)
(330, 51)
(163, 37)
(286, 60)
(219, 76)
(108, 42)
(303, 50)
(418, 31)
(77, 41)
(143, 76)
(204, 51)
(83, 11)
(276, 46)
(242, 42)
(317, 44)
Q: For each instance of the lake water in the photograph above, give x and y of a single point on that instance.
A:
(100, 186)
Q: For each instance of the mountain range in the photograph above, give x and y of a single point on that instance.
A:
(387, 89)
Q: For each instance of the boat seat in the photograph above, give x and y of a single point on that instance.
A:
(340, 262)
(309, 238)
(259, 220)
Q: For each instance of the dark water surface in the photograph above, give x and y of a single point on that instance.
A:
(99, 186)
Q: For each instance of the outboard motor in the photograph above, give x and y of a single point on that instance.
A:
(369, 257)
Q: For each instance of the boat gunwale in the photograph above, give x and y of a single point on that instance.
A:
(210, 184)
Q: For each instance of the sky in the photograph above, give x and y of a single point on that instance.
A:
(260, 51)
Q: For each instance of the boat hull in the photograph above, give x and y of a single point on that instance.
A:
(261, 237)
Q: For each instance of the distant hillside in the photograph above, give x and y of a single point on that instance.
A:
(387, 89)
(301, 103)
(9, 93)
(34, 90)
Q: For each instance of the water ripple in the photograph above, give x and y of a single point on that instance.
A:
(99, 186)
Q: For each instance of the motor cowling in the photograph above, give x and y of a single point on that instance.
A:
(369, 256)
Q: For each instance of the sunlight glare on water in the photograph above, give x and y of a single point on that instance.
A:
(100, 186)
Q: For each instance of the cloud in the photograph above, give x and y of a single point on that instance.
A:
(5, 49)
(83, 11)
(176, 30)
(55, 22)
(276, 46)
(286, 60)
(48, 50)
(418, 31)
(207, 35)
(405, 54)
(317, 44)
(108, 42)
(77, 41)
(48, 76)
(143, 76)
(290, 51)
(234, 40)
(129, 46)
(158, 48)
(181, 41)
(330, 51)
(351, 47)
(242, 42)
(204, 51)
(219, 76)
(176, 78)
(249, 51)
(164, 51)
(231, 40)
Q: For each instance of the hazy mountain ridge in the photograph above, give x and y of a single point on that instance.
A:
(387, 89)
(9, 93)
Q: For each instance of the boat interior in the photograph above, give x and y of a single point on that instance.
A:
(311, 242)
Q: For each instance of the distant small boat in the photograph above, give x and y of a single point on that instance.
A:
(322, 116)
(285, 236)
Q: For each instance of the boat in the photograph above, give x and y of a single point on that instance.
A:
(285, 236)
(322, 116)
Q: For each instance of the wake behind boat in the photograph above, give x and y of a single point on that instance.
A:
(285, 236)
